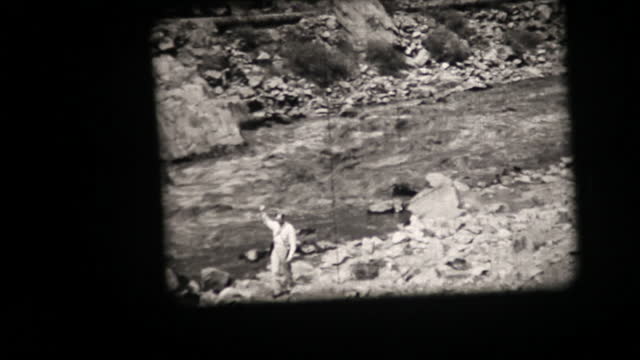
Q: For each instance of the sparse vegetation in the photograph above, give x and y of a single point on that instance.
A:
(317, 63)
(522, 41)
(456, 22)
(389, 6)
(250, 38)
(298, 172)
(217, 62)
(345, 46)
(445, 46)
(385, 57)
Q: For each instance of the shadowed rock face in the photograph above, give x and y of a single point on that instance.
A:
(365, 20)
(190, 121)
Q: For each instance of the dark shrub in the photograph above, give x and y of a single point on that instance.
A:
(299, 172)
(389, 6)
(385, 57)
(217, 62)
(445, 46)
(315, 62)
(344, 45)
(455, 21)
(521, 41)
(251, 38)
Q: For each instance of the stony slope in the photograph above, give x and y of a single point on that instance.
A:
(192, 54)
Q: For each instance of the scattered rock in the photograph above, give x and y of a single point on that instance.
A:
(307, 248)
(545, 12)
(531, 71)
(405, 23)
(503, 233)
(496, 208)
(246, 92)
(263, 57)
(421, 58)
(382, 207)
(399, 237)
(193, 287)
(166, 44)
(321, 111)
(331, 23)
(549, 179)
(302, 268)
(335, 257)
(254, 80)
(348, 111)
(275, 82)
(474, 84)
(232, 294)
(208, 298)
(436, 180)
(368, 245)
(252, 255)
(214, 279)
(460, 186)
(325, 245)
(441, 202)
(393, 251)
(458, 264)
(474, 229)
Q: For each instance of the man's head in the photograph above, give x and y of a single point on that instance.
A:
(280, 218)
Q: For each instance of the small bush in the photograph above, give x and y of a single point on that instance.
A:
(445, 46)
(344, 45)
(298, 171)
(522, 41)
(385, 57)
(315, 62)
(456, 22)
(251, 38)
(217, 62)
(389, 6)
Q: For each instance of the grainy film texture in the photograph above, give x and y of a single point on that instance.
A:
(338, 149)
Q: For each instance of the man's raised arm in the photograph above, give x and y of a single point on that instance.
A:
(271, 224)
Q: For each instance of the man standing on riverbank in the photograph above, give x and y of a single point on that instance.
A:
(284, 246)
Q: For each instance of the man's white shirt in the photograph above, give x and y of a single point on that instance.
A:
(282, 235)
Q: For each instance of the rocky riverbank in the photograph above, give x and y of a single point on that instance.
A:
(511, 236)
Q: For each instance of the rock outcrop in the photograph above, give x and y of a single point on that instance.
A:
(191, 121)
(365, 20)
(214, 279)
(441, 201)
